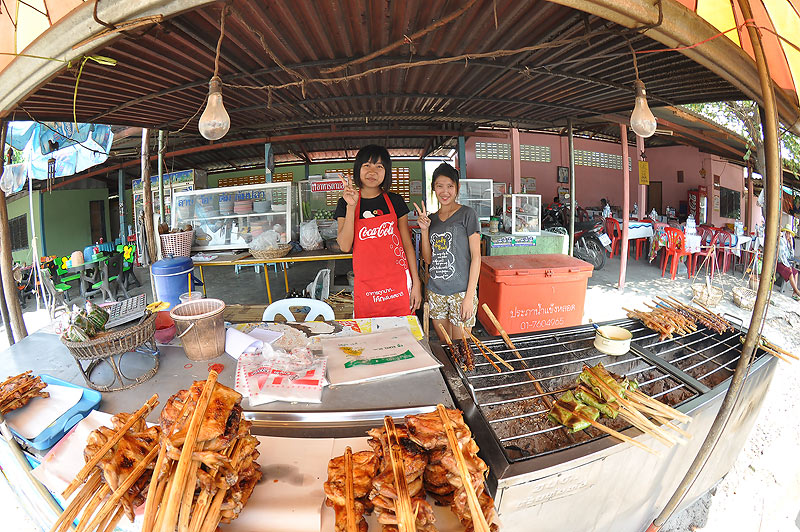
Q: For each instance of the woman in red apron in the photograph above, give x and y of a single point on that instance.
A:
(373, 224)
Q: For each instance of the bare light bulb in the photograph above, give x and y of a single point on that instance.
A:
(643, 123)
(214, 122)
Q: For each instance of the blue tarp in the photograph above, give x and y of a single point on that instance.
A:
(76, 150)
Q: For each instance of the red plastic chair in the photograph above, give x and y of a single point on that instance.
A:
(708, 238)
(676, 248)
(615, 234)
(724, 249)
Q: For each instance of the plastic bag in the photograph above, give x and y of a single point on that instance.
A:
(310, 238)
(266, 240)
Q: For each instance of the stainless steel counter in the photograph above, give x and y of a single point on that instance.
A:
(344, 411)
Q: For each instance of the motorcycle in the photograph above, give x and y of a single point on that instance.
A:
(589, 243)
(590, 239)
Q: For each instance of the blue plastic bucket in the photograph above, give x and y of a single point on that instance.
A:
(171, 276)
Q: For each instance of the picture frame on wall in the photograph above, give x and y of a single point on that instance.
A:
(563, 174)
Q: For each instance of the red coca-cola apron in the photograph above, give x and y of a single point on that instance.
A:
(379, 264)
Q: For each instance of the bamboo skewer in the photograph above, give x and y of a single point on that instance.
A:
(479, 523)
(349, 501)
(634, 420)
(112, 525)
(603, 428)
(111, 503)
(667, 411)
(173, 498)
(777, 348)
(89, 466)
(403, 511)
(624, 403)
(511, 345)
(484, 353)
(66, 518)
(497, 357)
(468, 351)
(670, 425)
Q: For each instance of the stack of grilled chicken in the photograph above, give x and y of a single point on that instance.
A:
(207, 461)
(18, 390)
(442, 477)
(430, 466)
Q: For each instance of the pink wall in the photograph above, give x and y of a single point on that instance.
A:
(595, 183)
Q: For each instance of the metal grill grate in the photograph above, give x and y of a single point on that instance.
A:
(673, 371)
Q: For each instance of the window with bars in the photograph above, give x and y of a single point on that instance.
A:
(19, 232)
(600, 160)
(536, 154)
(492, 150)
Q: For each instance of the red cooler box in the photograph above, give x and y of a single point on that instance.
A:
(532, 292)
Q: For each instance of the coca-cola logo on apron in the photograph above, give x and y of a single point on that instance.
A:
(386, 228)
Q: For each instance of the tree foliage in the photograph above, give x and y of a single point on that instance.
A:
(742, 118)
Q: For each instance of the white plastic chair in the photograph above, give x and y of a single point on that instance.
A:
(283, 307)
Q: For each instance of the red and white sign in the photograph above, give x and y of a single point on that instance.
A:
(327, 186)
(380, 231)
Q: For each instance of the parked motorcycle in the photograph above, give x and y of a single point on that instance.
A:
(590, 239)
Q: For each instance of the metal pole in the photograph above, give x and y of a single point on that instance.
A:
(572, 202)
(516, 160)
(267, 170)
(123, 230)
(642, 188)
(773, 197)
(462, 157)
(161, 210)
(149, 230)
(626, 199)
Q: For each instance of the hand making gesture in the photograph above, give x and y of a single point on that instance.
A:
(350, 193)
(422, 217)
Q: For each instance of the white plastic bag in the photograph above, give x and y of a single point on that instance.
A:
(309, 236)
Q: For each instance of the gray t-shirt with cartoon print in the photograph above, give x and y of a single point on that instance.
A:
(450, 256)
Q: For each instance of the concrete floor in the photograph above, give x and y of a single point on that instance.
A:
(763, 487)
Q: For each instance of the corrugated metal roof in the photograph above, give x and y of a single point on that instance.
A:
(161, 76)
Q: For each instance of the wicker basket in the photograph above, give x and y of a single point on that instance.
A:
(707, 295)
(201, 328)
(280, 251)
(744, 297)
(177, 244)
(110, 347)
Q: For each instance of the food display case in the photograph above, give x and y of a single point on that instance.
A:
(316, 200)
(230, 217)
(478, 194)
(525, 211)
(174, 182)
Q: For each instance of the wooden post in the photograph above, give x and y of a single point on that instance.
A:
(4, 307)
(149, 230)
(748, 208)
(6, 262)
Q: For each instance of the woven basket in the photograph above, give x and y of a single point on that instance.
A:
(177, 244)
(106, 346)
(744, 297)
(709, 296)
(280, 251)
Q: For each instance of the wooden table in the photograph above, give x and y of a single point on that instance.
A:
(303, 256)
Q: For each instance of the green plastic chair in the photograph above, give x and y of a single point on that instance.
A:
(60, 272)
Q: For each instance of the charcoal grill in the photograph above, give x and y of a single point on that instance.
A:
(535, 466)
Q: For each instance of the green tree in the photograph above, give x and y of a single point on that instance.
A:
(742, 118)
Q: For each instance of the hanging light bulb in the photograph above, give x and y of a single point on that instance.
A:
(643, 123)
(214, 122)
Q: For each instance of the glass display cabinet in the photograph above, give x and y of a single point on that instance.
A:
(478, 194)
(230, 217)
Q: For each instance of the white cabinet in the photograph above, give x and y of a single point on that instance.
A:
(526, 213)
(230, 217)
(478, 194)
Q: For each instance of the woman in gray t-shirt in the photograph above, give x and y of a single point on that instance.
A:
(450, 245)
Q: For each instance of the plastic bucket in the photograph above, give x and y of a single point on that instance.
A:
(171, 277)
(201, 328)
